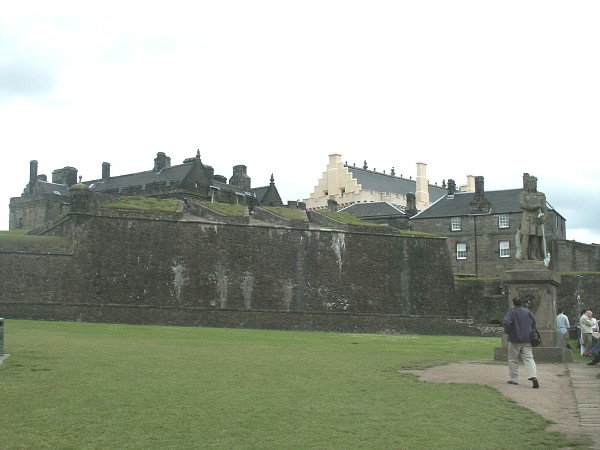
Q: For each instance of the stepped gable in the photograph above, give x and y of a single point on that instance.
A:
(381, 182)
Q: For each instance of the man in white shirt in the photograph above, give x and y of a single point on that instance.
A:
(562, 330)
(586, 324)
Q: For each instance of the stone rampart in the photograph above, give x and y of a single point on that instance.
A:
(137, 270)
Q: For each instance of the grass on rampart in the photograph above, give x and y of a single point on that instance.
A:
(21, 236)
(288, 213)
(347, 218)
(99, 386)
(145, 204)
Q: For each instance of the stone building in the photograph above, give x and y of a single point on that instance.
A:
(481, 228)
(347, 184)
(43, 201)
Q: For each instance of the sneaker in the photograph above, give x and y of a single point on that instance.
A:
(512, 382)
(534, 380)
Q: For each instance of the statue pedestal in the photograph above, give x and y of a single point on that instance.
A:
(536, 286)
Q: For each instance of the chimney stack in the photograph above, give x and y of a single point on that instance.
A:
(161, 161)
(479, 204)
(451, 186)
(479, 186)
(105, 171)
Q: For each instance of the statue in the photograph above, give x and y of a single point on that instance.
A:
(531, 235)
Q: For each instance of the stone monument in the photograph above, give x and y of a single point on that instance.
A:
(531, 280)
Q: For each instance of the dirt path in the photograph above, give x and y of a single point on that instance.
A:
(555, 389)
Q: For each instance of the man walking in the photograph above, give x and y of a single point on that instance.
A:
(518, 324)
(562, 330)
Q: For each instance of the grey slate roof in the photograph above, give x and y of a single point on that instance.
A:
(167, 175)
(260, 192)
(381, 182)
(373, 210)
(501, 202)
(54, 188)
(229, 187)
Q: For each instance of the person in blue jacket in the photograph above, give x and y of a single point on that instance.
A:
(518, 324)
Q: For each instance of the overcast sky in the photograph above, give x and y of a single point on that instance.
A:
(484, 88)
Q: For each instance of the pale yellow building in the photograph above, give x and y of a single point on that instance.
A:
(347, 185)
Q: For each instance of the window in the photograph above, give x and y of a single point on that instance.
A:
(461, 250)
(504, 249)
(455, 224)
(503, 221)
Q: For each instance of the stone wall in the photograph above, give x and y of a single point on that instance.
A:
(153, 270)
(577, 292)
(572, 256)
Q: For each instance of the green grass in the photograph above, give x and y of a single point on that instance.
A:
(4, 233)
(145, 204)
(288, 213)
(20, 236)
(228, 209)
(98, 386)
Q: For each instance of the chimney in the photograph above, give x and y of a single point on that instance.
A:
(422, 191)
(411, 206)
(479, 204)
(451, 187)
(33, 171)
(33, 175)
(470, 186)
(332, 205)
(240, 178)
(66, 175)
(161, 161)
(479, 186)
(105, 171)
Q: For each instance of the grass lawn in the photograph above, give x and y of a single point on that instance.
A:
(100, 386)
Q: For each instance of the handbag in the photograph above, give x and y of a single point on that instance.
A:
(535, 338)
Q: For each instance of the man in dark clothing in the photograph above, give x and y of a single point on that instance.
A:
(596, 353)
(518, 324)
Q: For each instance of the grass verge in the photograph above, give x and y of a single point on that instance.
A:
(82, 385)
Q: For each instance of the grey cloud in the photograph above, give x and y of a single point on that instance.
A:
(23, 71)
(579, 207)
(25, 78)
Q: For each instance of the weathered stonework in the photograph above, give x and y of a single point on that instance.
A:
(151, 270)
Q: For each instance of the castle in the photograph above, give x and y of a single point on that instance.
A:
(194, 267)
(43, 201)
